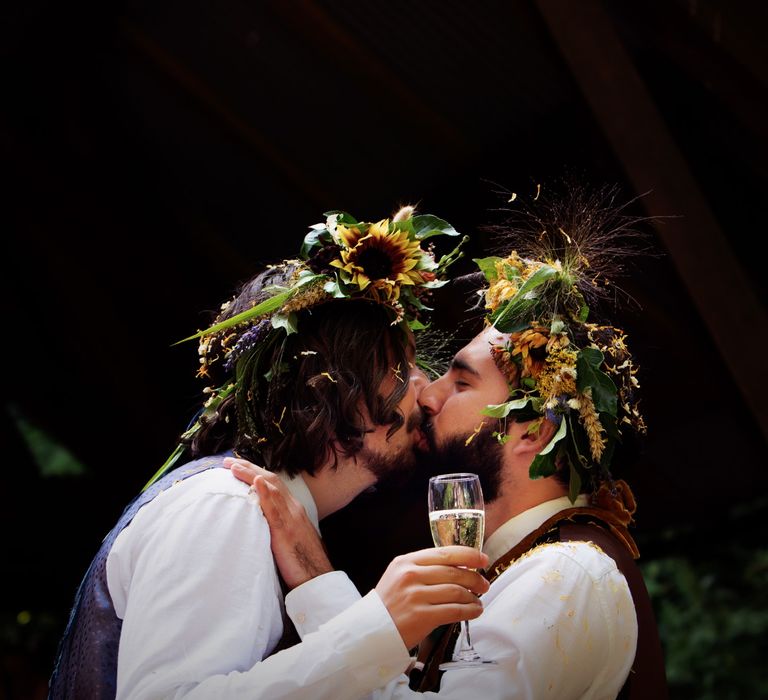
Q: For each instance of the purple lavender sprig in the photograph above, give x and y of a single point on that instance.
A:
(248, 340)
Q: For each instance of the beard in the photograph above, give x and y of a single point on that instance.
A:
(483, 456)
(395, 469)
(389, 469)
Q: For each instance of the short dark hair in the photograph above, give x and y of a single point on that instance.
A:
(301, 400)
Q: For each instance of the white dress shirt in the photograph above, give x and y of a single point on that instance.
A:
(559, 622)
(193, 579)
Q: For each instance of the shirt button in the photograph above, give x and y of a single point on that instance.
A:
(301, 618)
(384, 671)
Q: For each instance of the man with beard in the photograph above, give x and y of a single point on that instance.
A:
(534, 404)
(311, 371)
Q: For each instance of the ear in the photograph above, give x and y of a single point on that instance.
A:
(531, 437)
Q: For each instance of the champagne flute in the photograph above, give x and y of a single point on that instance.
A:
(457, 516)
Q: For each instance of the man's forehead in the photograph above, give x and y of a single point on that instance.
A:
(482, 343)
(476, 355)
(492, 336)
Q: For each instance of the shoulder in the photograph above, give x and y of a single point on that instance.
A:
(576, 578)
(577, 560)
(211, 500)
(213, 481)
(203, 485)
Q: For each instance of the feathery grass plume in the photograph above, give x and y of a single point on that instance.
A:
(591, 422)
(590, 233)
(557, 257)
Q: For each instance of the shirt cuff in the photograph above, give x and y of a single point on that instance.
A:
(373, 648)
(320, 599)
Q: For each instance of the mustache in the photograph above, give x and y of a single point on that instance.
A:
(428, 430)
(415, 420)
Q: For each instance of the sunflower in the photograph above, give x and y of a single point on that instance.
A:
(379, 261)
(348, 236)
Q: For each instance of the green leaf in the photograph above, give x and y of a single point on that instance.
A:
(609, 423)
(174, 457)
(557, 326)
(559, 435)
(525, 300)
(502, 410)
(318, 235)
(434, 284)
(266, 307)
(287, 321)
(333, 287)
(488, 266)
(542, 466)
(588, 375)
(574, 481)
(425, 226)
(307, 276)
(544, 462)
(406, 225)
(342, 217)
(591, 356)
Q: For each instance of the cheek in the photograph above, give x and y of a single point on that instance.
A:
(461, 412)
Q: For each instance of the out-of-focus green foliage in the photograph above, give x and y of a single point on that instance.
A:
(51, 457)
(710, 594)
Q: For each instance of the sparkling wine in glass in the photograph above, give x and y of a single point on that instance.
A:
(457, 516)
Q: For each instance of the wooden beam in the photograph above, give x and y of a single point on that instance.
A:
(624, 108)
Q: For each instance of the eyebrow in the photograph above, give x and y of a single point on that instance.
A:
(461, 365)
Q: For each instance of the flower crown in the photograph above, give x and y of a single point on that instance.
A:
(341, 258)
(578, 375)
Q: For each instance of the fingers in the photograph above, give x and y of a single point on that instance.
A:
(247, 471)
(450, 594)
(446, 613)
(271, 502)
(466, 579)
(454, 555)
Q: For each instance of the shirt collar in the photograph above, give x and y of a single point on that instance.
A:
(516, 528)
(300, 491)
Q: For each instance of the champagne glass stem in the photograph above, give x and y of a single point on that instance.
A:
(467, 651)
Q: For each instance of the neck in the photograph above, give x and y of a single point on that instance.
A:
(516, 498)
(332, 489)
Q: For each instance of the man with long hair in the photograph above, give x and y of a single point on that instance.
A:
(311, 371)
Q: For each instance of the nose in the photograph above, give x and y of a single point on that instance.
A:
(419, 380)
(431, 398)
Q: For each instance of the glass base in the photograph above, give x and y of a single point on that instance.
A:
(466, 663)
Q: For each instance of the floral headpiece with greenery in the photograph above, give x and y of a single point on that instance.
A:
(341, 258)
(560, 367)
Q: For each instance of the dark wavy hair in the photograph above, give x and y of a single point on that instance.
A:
(301, 398)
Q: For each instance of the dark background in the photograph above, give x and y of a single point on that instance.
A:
(157, 153)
